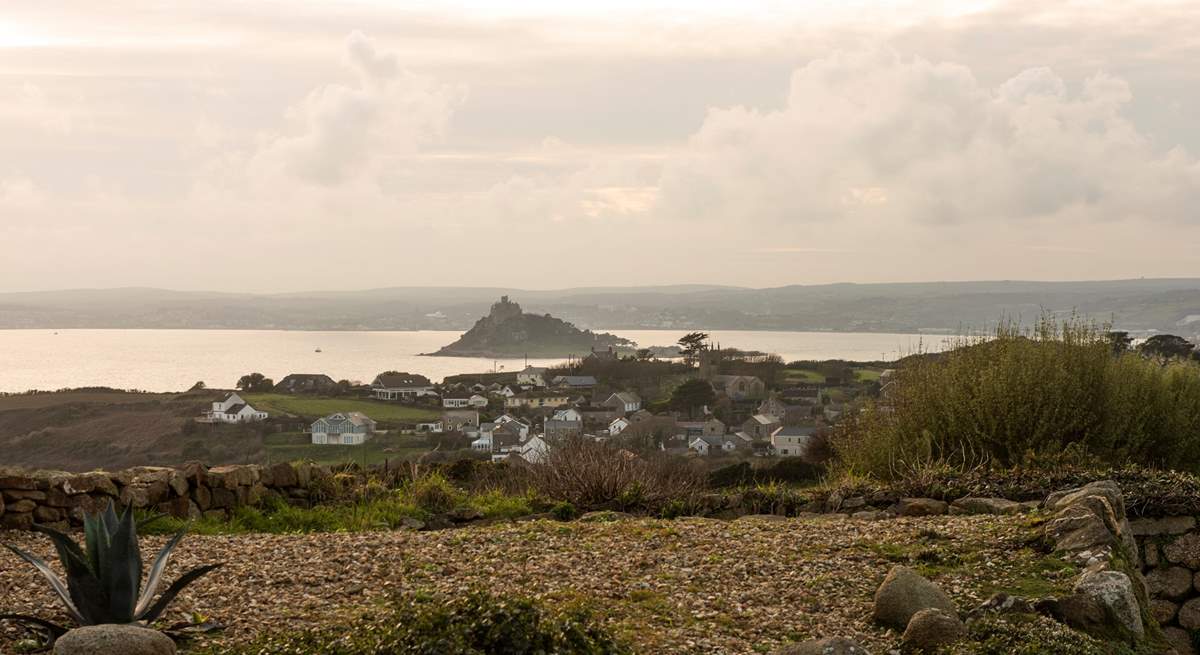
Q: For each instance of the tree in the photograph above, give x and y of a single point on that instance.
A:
(1120, 341)
(693, 343)
(645, 354)
(1167, 346)
(255, 382)
(692, 395)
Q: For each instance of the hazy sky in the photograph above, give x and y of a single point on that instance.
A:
(286, 145)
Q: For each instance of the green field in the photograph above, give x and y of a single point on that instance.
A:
(318, 406)
(293, 446)
(866, 374)
(794, 375)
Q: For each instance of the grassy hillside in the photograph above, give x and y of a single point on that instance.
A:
(317, 406)
(293, 446)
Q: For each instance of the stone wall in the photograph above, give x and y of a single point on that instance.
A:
(59, 499)
(1170, 549)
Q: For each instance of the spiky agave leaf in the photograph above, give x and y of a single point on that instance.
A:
(123, 569)
(89, 596)
(96, 539)
(55, 582)
(151, 614)
(156, 570)
(55, 630)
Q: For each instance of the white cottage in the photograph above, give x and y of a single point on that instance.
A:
(232, 409)
(343, 428)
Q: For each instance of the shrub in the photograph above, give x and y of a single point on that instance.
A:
(473, 624)
(593, 475)
(1023, 396)
(434, 493)
(1017, 634)
(564, 511)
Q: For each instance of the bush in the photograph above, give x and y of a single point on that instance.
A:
(1017, 634)
(434, 494)
(473, 624)
(1022, 396)
(592, 475)
(564, 511)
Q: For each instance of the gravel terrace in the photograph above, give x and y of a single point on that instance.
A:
(682, 586)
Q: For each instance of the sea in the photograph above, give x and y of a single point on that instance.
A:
(174, 360)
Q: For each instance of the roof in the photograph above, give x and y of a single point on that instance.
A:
(794, 431)
(716, 442)
(234, 409)
(763, 420)
(357, 418)
(627, 397)
(401, 380)
(305, 379)
(576, 380)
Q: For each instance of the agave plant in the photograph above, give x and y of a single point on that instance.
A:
(103, 583)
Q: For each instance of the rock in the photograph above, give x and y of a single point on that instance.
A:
(114, 640)
(903, 593)
(1002, 603)
(1184, 550)
(604, 517)
(1, 505)
(851, 504)
(871, 515)
(282, 474)
(931, 629)
(45, 515)
(23, 505)
(1080, 530)
(1106, 489)
(13, 495)
(1189, 614)
(16, 520)
(1163, 611)
(973, 505)
(233, 476)
(1172, 583)
(467, 514)
(89, 483)
(1161, 526)
(412, 524)
(1113, 592)
(827, 646)
(920, 507)
(10, 480)
(202, 497)
(1180, 639)
(1150, 554)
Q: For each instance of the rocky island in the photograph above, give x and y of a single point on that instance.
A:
(507, 331)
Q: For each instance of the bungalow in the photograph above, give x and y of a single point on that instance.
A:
(461, 399)
(305, 383)
(792, 440)
(574, 381)
(538, 399)
(343, 428)
(760, 426)
(401, 386)
(232, 410)
(532, 375)
(624, 402)
(739, 387)
(712, 445)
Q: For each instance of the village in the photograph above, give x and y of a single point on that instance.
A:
(710, 403)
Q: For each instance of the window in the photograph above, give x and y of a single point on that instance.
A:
(348, 439)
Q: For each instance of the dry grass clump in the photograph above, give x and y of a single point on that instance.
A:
(594, 475)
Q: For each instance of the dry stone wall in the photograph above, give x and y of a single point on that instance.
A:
(1170, 548)
(60, 499)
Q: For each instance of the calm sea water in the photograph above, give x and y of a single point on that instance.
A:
(173, 360)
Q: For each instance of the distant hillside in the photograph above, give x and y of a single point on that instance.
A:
(509, 332)
(1166, 305)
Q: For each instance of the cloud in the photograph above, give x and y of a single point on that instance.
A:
(907, 140)
(339, 130)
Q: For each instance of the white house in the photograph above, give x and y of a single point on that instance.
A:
(792, 441)
(712, 445)
(461, 400)
(625, 402)
(233, 409)
(401, 386)
(618, 426)
(343, 428)
(569, 414)
(532, 375)
(521, 426)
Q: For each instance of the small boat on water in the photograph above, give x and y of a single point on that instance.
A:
(317, 350)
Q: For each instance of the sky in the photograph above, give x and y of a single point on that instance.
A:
(286, 145)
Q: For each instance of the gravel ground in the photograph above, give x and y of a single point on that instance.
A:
(683, 586)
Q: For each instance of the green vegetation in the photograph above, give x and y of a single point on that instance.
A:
(318, 406)
(293, 446)
(1020, 397)
(1023, 634)
(104, 583)
(796, 375)
(476, 623)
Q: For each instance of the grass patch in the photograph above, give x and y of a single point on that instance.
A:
(796, 375)
(315, 407)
